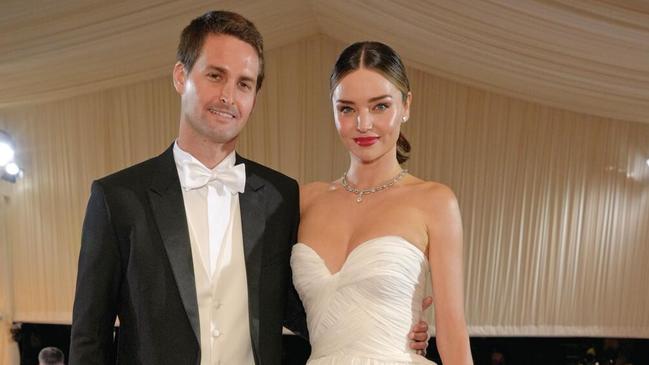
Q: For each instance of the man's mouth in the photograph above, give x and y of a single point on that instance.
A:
(222, 113)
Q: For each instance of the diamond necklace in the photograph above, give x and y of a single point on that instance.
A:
(360, 193)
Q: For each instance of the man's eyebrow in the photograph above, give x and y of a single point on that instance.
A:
(217, 68)
(225, 71)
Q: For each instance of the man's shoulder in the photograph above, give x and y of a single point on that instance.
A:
(140, 174)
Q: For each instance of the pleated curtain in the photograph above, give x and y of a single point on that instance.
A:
(555, 203)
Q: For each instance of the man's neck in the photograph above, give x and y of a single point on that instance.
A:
(210, 154)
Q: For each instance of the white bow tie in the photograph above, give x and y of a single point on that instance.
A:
(195, 176)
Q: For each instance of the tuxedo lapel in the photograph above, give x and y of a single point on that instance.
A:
(168, 209)
(253, 223)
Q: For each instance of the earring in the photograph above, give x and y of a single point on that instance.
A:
(404, 119)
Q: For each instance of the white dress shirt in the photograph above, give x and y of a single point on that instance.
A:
(211, 206)
(214, 222)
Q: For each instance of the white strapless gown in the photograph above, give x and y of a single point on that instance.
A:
(362, 314)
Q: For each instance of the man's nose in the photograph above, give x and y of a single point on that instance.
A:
(227, 93)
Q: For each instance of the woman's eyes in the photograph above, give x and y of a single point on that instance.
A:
(378, 107)
(382, 106)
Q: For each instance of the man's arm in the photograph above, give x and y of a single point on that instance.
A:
(98, 280)
(295, 317)
(419, 331)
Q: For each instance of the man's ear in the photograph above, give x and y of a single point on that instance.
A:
(179, 77)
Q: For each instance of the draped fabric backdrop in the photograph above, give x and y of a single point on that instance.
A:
(555, 203)
(8, 348)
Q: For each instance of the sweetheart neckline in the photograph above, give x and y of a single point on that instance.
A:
(364, 243)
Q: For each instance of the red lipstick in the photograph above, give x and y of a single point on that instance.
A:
(365, 141)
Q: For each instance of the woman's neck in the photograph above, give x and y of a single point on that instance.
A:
(370, 174)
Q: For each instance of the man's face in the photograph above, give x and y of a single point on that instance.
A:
(218, 94)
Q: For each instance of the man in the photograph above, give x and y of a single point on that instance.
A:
(51, 356)
(191, 248)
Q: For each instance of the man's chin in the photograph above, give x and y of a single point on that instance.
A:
(221, 138)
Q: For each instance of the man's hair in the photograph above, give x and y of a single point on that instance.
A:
(218, 22)
(50, 356)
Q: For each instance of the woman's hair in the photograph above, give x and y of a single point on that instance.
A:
(381, 58)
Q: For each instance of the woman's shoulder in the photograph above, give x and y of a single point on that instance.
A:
(432, 194)
(310, 191)
(314, 187)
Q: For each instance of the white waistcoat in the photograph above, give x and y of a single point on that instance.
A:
(223, 299)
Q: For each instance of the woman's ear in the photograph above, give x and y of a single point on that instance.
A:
(406, 106)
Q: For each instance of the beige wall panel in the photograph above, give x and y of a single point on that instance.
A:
(8, 348)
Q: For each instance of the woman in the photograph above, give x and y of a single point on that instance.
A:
(368, 238)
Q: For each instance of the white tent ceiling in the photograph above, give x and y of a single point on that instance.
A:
(589, 56)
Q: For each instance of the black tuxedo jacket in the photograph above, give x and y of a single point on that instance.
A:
(136, 263)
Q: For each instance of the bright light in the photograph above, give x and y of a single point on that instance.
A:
(648, 162)
(6, 153)
(12, 169)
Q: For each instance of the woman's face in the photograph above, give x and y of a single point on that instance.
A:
(368, 112)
